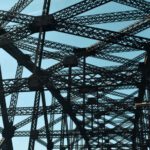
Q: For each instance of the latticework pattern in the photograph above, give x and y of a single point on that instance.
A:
(82, 78)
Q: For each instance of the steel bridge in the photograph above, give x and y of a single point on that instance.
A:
(78, 102)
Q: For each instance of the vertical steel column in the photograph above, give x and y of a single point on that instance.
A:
(38, 61)
(147, 76)
(33, 132)
(137, 130)
(8, 130)
(84, 84)
(49, 140)
(69, 100)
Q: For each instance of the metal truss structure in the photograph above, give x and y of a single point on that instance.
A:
(90, 106)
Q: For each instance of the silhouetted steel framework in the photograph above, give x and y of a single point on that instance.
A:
(83, 112)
